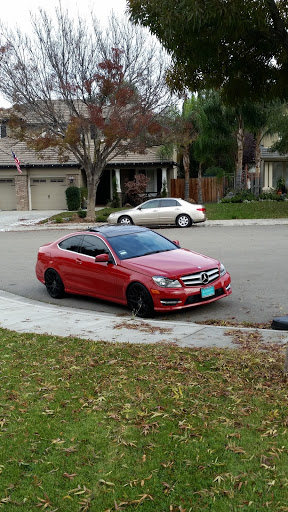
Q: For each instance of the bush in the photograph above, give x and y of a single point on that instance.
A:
(271, 196)
(240, 197)
(73, 198)
(82, 214)
(115, 203)
(136, 188)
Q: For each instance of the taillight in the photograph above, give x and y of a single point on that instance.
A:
(201, 209)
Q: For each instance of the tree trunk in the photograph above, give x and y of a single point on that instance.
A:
(92, 184)
(257, 163)
(186, 164)
(239, 160)
(199, 184)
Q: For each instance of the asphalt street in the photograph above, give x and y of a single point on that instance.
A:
(255, 255)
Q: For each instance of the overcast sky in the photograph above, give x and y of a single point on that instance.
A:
(17, 12)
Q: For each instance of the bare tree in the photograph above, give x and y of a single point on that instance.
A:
(93, 92)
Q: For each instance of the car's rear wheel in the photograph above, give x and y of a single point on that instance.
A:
(125, 219)
(183, 221)
(54, 284)
(140, 301)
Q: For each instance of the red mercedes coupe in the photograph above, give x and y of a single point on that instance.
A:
(131, 265)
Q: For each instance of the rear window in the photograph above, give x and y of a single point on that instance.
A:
(72, 243)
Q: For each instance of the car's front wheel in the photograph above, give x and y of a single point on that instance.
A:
(183, 221)
(125, 219)
(54, 284)
(140, 301)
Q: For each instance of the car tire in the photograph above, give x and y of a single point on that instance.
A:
(125, 219)
(140, 301)
(54, 284)
(183, 221)
(280, 323)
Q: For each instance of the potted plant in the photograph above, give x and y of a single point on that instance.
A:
(281, 188)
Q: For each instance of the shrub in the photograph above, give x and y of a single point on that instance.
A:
(136, 188)
(240, 197)
(82, 214)
(164, 192)
(271, 196)
(115, 203)
(73, 198)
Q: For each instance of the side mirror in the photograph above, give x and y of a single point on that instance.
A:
(102, 258)
(176, 242)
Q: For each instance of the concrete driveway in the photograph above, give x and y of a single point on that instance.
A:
(9, 220)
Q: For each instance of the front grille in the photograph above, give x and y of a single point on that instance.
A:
(194, 299)
(196, 279)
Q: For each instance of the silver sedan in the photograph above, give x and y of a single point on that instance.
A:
(162, 211)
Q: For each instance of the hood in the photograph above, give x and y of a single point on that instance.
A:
(171, 264)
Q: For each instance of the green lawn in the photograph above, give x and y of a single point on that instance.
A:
(215, 211)
(252, 210)
(100, 427)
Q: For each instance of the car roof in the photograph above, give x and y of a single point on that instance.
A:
(109, 231)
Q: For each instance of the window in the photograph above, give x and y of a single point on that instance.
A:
(150, 204)
(168, 202)
(93, 246)
(3, 131)
(71, 244)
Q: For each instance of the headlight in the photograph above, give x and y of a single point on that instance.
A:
(222, 270)
(165, 282)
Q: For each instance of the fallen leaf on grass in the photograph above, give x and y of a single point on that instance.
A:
(133, 502)
(103, 482)
(235, 449)
(70, 476)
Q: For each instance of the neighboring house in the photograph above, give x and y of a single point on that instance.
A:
(273, 166)
(43, 181)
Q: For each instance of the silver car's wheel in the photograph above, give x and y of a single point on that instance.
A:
(183, 221)
(125, 219)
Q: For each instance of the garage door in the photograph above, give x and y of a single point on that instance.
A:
(48, 193)
(7, 194)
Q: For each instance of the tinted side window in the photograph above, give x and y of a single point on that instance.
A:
(168, 202)
(150, 204)
(92, 246)
(72, 243)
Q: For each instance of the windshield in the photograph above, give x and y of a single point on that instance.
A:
(134, 245)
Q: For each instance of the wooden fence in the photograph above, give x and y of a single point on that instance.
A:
(212, 189)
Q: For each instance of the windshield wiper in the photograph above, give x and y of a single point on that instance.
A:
(155, 252)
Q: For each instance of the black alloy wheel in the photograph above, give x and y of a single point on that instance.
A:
(139, 301)
(125, 219)
(54, 284)
(183, 221)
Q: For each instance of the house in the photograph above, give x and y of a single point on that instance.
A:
(43, 181)
(273, 166)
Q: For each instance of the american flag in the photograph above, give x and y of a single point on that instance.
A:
(17, 162)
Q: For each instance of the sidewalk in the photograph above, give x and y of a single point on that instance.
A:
(24, 315)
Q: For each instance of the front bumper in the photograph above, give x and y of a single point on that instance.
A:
(170, 299)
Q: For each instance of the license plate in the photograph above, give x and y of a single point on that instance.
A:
(207, 292)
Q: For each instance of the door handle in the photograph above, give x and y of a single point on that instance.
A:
(78, 261)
